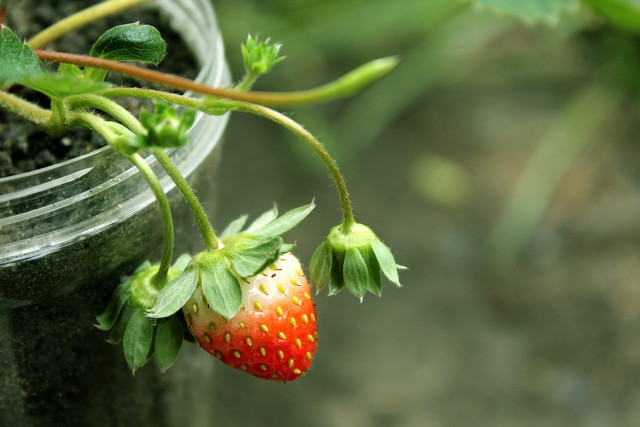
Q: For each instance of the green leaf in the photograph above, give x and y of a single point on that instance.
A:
(286, 222)
(251, 256)
(108, 317)
(221, 288)
(286, 247)
(386, 260)
(121, 323)
(263, 219)
(61, 85)
(375, 284)
(131, 42)
(176, 293)
(234, 227)
(137, 341)
(168, 342)
(528, 10)
(17, 60)
(320, 266)
(623, 13)
(337, 278)
(356, 272)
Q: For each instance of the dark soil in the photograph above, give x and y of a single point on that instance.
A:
(25, 147)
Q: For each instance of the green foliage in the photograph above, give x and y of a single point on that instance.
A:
(260, 57)
(165, 127)
(131, 42)
(529, 10)
(168, 341)
(623, 13)
(243, 254)
(17, 60)
(138, 339)
(128, 42)
(61, 85)
(353, 257)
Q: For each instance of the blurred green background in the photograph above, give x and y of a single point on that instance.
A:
(500, 162)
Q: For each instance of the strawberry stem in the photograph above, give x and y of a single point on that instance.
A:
(344, 86)
(129, 120)
(206, 229)
(79, 19)
(101, 126)
(296, 128)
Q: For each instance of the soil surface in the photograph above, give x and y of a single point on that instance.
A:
(25, 147)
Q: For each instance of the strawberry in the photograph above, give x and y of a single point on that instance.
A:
(273, 335)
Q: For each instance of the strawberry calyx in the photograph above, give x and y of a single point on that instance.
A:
(354, 257)
(243, 253)
(125, 320)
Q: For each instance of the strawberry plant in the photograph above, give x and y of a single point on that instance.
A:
(245, 298)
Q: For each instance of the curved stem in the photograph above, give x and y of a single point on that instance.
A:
(316, 145)
(31, 112)
(79, 19)
(343, 86)
(165, 210)
(118, 112)
(158, 95)
(208, 234)
(101, 126)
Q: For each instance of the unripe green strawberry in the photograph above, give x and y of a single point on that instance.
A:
(274, 335)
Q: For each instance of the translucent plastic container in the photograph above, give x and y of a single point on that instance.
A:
(68, 234)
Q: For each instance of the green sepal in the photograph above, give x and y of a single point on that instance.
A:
(285, 222)
(337, 279)
(355, 258)
(108, 317)
(17, 60)
(356, 272)
(121, 323)
(264, 219)
(320, 267)
(168, 341)
(286, 247)
(176, 293)
(234, 226)
(165, 127)
(220, 286)
(375, 282)
(138, 339)
(259, 57)
(250, 256)
(386, 260)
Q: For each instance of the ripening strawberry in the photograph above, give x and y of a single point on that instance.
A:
(274, 335)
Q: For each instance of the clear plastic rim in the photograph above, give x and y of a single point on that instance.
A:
(196, 21)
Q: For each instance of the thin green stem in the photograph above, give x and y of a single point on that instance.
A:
(79, 19)
(27, 110)
(346, 85)
(124, 116)
(158, 95)
(208, 234)
(118, 112)
(165, 210)
(316, 145)
(103, 128)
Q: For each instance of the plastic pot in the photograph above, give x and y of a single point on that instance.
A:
(68, 234)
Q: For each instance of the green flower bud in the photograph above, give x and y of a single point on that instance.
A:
(352, 257)
(259, 57)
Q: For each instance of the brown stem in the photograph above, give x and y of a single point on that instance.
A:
(263, 98)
